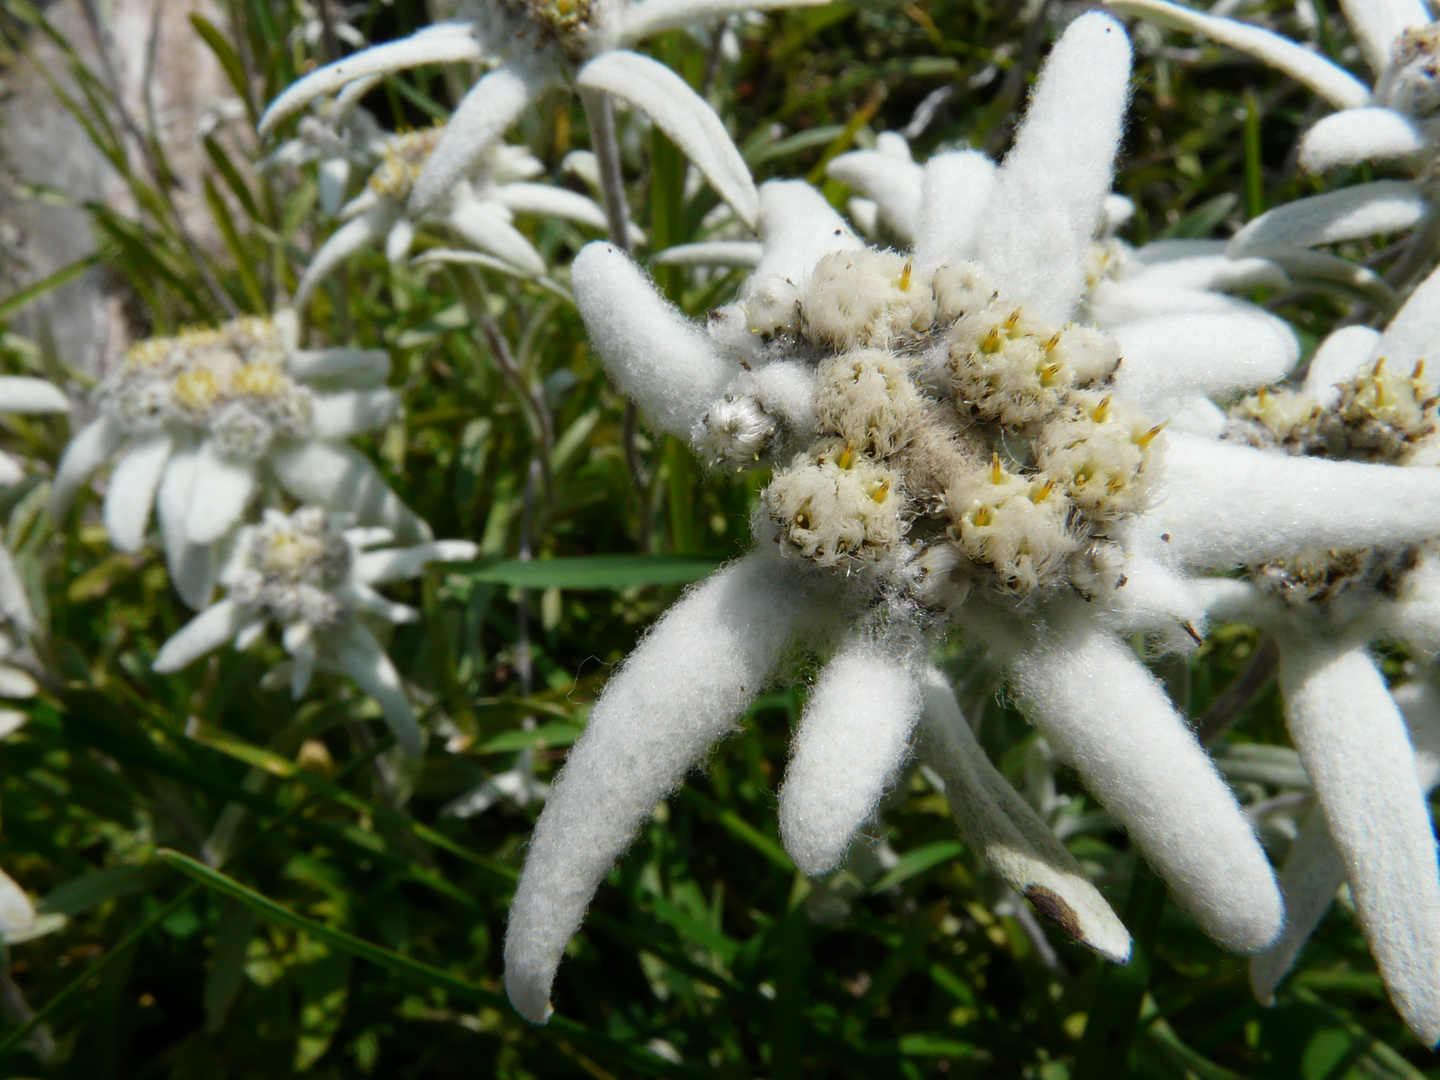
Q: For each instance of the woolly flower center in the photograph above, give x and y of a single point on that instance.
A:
(294, 564)
(404, 160)
(566, 23)
(1381, 415)
(229, 381)
(1414, 81)
(963, 442)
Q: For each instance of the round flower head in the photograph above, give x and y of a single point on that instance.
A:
(1365, 399)
(316, 582)
(197, 420)
(1057, 521)
(531, 46)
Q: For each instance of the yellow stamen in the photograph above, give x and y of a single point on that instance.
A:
(983, 517)
(1148, 437)
(1048, 373)
(991, 344)
(846, 458)
(905, 275)
(1041, 493)
(1100, 411)
(1012, 320)
(997, 473)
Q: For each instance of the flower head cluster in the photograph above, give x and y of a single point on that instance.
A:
(202, 419)
(316, 581)
(1366, 399)
(953, 449)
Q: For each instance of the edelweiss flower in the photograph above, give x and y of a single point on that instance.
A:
(1394, 121)
(1366, 398)
(200, 418)
(951, 450)
(302, 572)
(479, 208)
(534, 45)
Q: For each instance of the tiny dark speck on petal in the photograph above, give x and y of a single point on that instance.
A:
(1165, 537)
(1050, 904)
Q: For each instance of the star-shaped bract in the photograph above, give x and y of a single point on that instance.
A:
(198, 421)
(532, 46)
(752, 382)
(316, 582)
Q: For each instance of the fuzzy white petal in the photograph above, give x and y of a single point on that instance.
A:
(1155, 599)
(399, 240)
(1377, 24)
(83, 455)
(1172, 357)
(359, 368)
(852, 739)
(1313, 872)
(1412, 334)
(1383, 206)
(657, 357)
(547, 200)
(192, 566)
(487, 226)
(1230, 600)
(1351, 136)
(993, 818)
(14, 600)
(735, 253)
(17, 913)
(1330, 81)
(332, 178)
(444, 43)
(360, 656)
(218, 495)
(1114, 303)
(1337, 360)
(344, 242)
(798, 228)
(299, 641)
(479, 122)
(131, 493)
(393, 564)
(209, 630)
(645, 17)
(955, 190)
(361, 597)
(684, 116)
(1104, 714)
(892, 183)
(15, 683)
(680, 690)
(340, 478)
(11, 470)
(338, 416)
(1353, 743)
(1214, 270)
(1228, 505)
(22, 394)
(1037, 229)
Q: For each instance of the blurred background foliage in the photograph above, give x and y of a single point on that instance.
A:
(237, 885)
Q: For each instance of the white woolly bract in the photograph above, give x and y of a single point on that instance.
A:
(1382, 206)
(1412, 334)
(1171, 358)
(955, 190)
(1357, 754)
(679, 692)
(853, 736)
(1337, 360)
(993, 817)
(657, 357)
(798, 228)
(1354, 135)
(1330, 81)
(1229, 505)
(1036, 232)
(1105, 715)
(1378, 25)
